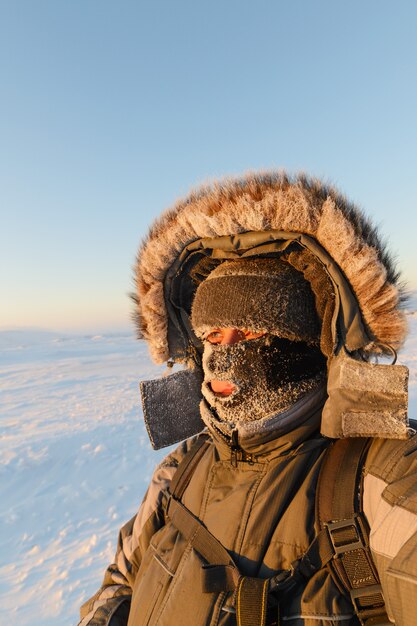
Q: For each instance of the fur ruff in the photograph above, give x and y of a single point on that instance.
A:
(259, 202)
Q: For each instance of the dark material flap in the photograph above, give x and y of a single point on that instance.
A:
(171, 407)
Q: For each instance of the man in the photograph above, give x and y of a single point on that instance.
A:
(277, 294)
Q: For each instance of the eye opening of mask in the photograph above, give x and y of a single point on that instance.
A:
(231, 334)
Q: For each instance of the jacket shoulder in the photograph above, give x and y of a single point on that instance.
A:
(390, 505)
(394, 464)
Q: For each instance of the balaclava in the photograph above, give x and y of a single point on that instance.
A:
(272, 372)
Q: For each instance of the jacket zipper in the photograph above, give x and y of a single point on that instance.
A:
(237, 453)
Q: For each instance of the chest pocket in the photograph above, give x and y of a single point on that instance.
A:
(168, 586)
(165, 588)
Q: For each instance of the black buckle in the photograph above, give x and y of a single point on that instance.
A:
(286, 580)
(365, 610)
(337, 534)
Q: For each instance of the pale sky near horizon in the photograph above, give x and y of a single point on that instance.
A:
(109, 111)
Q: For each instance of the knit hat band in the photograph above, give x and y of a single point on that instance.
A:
(257, 294)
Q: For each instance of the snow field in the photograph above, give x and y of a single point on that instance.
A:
(75, 462)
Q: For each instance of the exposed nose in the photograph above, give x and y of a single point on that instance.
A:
(231, 336)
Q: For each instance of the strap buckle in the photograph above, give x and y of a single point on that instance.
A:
(346, 535)
(368, 602)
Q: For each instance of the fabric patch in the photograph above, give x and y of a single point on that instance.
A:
(365, 399)
(401, 584)
(373, 424)
(391, 526)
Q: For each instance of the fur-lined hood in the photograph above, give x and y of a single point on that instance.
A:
(263, 203)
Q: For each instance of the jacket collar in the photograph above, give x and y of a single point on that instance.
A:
(274, 435)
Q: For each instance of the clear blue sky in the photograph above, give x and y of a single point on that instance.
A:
(110, 110)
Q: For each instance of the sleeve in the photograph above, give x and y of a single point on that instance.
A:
(110, 605)
(390, 505)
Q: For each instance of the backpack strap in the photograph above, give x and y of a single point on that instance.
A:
(188, 524)
(188, 465)
(339, 512)
(219, 573)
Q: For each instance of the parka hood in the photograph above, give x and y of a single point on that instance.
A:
(264, 214)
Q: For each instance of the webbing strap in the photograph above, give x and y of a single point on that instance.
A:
(220, 572)
(201, 539)
(218, 578)
(187, 466)
(251, 601)
(338, 512)
(338, 481)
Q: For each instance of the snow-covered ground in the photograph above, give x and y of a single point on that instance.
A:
(75, 461)
(74, 464)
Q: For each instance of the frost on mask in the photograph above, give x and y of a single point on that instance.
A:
(270, 374)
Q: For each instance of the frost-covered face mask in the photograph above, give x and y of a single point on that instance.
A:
(269, 374)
